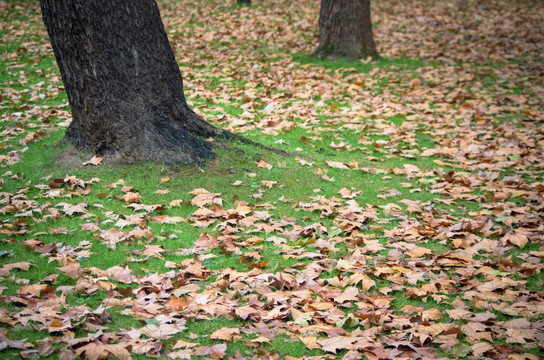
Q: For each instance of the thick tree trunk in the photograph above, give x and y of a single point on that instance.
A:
(123, 83)
(345, 29)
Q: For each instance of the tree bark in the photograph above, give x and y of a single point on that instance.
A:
(123, 83)
(345, 30)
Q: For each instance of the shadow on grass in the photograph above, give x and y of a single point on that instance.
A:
(362, 66)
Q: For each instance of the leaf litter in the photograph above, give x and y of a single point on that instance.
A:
(456, 273)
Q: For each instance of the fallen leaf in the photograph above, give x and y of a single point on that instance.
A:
(93, 161)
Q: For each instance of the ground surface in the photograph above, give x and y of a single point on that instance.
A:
(408, 221)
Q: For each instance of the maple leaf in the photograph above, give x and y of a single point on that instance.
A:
(121, 274)
(367, 283)
(525, 356)
(476, 331)
(18, 265)
(215, 351)
(139, 233)
(178, 304)
(227, 334)
(181, 354)
(436, 329)
(95, 351)
(350, 294)
(480, 348)
(180, 344)
(32, 290)
(154, 250)
(71, 268)
(305, 163)
(130, 197)
(336, 343)
(410, 168)
(244, 312)
(115, 184)
(269, 184)
(372, 246)
(146, 208)
(340, 145)
(242, 208)
(113, 236)
(302, 318)
(516, 238)
(93, 161)
(337, 165)
(175, 203)
(310, 342)
(57, 325)
(347, 193)
(520, 336)
(418, 251)
(70, 209)
(126, 188)
(203, 197)
(264, 164)
(165, 219)
(431, 314)
(161, 331)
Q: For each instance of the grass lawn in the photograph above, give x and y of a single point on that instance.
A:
(406, 220)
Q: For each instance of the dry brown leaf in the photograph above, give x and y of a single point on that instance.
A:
(337, 165)
(178, 304)
(227, 334)
(130, 197)
(264, 164)
(310, 342)
(215, 351)
(95, 351)
(336, 343)
(93, 161)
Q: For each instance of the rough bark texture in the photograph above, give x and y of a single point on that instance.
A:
(123, 83)
(345, 29)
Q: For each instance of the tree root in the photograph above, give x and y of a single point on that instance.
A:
(200, 127)
(225, 134)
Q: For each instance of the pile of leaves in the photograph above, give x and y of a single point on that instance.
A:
(408, 223)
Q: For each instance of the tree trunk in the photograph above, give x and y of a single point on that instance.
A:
(345, 29)
(123, 83)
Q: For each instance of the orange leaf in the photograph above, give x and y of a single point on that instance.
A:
(178, 304)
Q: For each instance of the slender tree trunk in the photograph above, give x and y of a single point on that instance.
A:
(123, 83)
(345, 29)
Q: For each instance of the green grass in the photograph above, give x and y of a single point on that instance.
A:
(41, 160)
(27, 85)
(361, 66)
